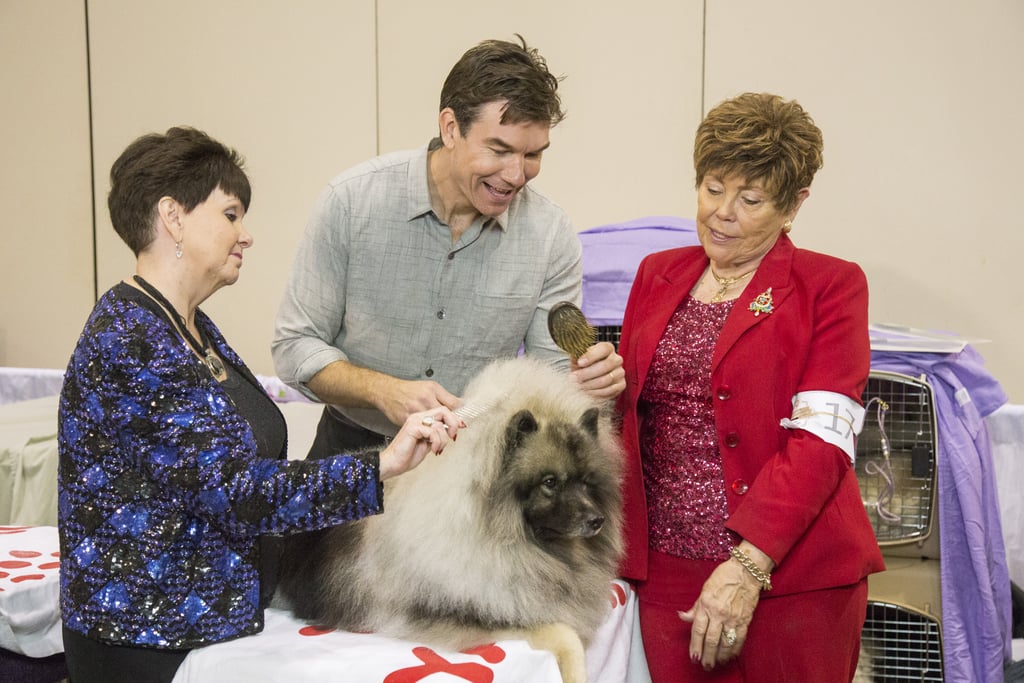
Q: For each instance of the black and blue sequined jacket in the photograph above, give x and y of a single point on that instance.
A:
(161, 495)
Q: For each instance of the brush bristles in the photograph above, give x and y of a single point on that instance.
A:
(570, 330)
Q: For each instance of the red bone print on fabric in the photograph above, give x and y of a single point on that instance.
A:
(433, 663)
(618, 596)
(23, 560)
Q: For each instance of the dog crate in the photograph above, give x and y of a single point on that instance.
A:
(897, 472)
(609, 333)
(902, 635)
(896, 464)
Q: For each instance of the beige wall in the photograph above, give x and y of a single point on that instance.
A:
(46, 236)
(631, 90)
(918, 101)
(290, 84)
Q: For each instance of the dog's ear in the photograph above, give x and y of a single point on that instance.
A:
(522, 424)
(589, 421)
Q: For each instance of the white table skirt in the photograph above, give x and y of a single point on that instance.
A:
(290, 650)
(29, 587)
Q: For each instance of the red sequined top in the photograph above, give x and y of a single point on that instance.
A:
(686, 505)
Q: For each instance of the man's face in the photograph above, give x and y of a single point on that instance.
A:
(493, 161)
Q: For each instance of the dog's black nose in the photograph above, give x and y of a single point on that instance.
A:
(594, 524)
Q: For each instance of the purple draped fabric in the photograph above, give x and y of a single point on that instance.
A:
(612, 253)
(976, 607)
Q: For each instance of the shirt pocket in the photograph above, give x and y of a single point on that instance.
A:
(498, 324)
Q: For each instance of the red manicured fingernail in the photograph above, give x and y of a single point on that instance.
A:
(694, 657)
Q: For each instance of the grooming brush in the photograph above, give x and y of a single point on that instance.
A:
(570, 330)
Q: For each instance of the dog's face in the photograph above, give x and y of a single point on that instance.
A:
(562, 478)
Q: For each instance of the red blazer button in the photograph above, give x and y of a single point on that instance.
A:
(724, 393)
(732, 439)
(740, 487)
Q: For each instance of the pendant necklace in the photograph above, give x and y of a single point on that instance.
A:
(726, 283)
(209, 358)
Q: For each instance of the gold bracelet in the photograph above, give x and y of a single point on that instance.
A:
(763, 577)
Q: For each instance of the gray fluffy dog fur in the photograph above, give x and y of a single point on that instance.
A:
(512, 532)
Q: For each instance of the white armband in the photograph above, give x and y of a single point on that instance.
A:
(833, 417)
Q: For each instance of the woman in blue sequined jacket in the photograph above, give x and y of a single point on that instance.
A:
(173, 460)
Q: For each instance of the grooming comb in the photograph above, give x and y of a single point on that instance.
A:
(467, 412)
(570, 330)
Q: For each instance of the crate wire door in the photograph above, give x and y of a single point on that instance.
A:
(610, 333)
(896, 469)
(905, 644)
(902, 635)
(895, 462)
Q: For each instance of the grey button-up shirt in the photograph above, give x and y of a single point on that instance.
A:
(376, 281)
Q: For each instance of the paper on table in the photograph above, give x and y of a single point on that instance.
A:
(890, 337)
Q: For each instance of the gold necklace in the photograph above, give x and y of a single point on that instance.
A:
(726, 283)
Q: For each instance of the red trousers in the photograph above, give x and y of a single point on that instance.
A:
(811, 637)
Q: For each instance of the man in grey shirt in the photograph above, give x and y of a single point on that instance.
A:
(417, 268)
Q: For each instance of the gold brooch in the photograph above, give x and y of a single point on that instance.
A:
(763, 303)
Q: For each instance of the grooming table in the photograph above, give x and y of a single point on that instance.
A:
(291, 650)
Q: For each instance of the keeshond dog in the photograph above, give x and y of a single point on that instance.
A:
(512, 532)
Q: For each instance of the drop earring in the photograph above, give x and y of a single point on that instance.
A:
(177, 249)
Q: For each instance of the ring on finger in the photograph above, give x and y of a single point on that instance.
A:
(729, 637)
(428, 421)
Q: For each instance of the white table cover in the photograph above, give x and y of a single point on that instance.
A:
(29, 586)
(290, 650)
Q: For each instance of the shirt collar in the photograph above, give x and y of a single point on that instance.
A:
(419, 190)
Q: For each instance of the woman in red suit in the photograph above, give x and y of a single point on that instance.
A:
(745, 361)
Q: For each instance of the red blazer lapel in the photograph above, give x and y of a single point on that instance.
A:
(773, 273)
(663, 297)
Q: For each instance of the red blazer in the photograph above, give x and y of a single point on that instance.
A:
(789, 493)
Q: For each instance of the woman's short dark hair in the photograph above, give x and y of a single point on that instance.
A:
(762, 137)
(185, 164)
(499, 70)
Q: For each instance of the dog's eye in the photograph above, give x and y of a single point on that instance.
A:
(549, 482)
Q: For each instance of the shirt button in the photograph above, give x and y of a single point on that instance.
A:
(451, 255)
(732, 439)
(724, 393)
(740, 487)
(429, 372)
(441, 314)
